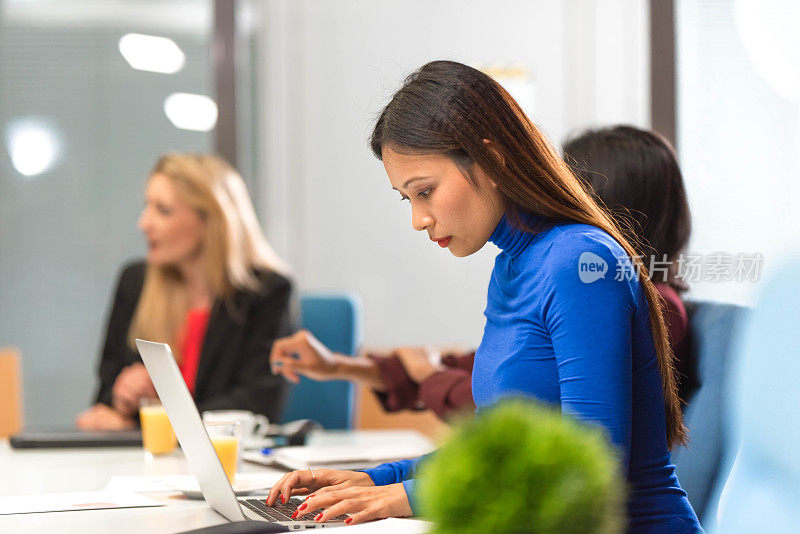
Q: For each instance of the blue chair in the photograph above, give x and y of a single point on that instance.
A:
(713, 341)
(336, 320)
(762, 493)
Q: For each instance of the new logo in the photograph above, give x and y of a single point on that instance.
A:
(591, 267)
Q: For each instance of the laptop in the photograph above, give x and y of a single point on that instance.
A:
(49, 438)
(203, 461)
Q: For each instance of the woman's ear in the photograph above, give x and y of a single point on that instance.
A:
(496, 153)
(482, 177)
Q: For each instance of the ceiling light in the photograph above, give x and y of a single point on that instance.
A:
(151, 53)
(191, 112)
(33, 146)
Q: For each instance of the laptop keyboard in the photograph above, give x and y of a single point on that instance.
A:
(283, 511)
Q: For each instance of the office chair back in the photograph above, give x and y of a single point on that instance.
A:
(762, 492)
(336, 320)
(713, 340)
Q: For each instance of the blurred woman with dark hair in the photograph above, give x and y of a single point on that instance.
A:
(635, 174)
(559, 327)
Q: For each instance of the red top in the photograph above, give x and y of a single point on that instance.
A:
(190, 344)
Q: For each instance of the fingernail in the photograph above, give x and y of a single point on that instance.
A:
(294, 514)
(302, 506)
(318, 517)
(348, 520)
(283, 498)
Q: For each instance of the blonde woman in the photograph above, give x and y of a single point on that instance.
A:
(211, 286)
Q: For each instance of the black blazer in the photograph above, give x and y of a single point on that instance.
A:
(234, 371)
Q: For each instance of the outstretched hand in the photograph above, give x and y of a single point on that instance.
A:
(302, 354)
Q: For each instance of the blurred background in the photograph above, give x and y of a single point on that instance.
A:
(92, 92)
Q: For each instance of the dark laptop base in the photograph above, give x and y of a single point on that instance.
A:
(62, 438)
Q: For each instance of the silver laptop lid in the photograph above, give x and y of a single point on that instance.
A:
(189, 429)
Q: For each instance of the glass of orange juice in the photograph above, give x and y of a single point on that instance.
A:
(157, 434)
(225, 438)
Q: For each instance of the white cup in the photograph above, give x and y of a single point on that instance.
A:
(252, 426)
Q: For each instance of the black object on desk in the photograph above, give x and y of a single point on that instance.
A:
(70, 437)
(296, 432)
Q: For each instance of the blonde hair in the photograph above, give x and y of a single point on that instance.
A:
(234, 245)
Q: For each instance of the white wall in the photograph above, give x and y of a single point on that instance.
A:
(329, 66)
(739, 132)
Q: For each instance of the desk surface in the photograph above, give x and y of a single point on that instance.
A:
(39, 471)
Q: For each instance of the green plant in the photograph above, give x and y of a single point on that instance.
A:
(521, 467)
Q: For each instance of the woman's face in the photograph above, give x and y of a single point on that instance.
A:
(443, 202)
(174, 231)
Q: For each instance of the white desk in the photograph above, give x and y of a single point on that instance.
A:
(38, 471)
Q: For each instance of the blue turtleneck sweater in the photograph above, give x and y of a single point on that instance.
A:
(567, 323)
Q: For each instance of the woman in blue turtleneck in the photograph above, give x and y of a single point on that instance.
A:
(571, 319)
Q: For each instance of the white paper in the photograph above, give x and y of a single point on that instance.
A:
(321, 456)
(63, 502)
(392, 526)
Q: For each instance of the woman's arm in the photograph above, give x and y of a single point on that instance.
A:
(445, 389)
(303, 354)
(253, 387)
(116, 353)
(449, 391)
(590, 325)
(404, 380)
(383, 491)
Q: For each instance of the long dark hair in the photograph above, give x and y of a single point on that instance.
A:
(452, 109)
(636, 175)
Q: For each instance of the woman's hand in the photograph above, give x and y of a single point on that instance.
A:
(132, 384)
(320, 480)
(103, 417)
(362, 504)
(302, 354)
(342, 492)
(419, 362)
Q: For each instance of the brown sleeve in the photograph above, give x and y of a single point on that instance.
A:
(444, 392)
(460, 361)
(401, 392)
(447, 392)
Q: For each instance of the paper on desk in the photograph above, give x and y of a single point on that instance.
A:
(327, 456)
(67, 502)
(392, 526)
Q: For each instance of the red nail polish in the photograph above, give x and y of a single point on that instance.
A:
(302, 506)
(348, 520)
(309, 496)
(294, 514)
(318, 517)
(283, 498)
